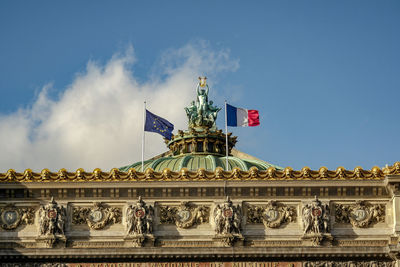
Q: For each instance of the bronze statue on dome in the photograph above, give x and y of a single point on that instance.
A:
(202, 114)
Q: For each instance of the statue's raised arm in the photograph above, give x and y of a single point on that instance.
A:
(202, 89)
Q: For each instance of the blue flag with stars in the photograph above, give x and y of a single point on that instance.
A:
(159, 125)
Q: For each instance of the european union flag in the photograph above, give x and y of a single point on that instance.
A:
(159, 125)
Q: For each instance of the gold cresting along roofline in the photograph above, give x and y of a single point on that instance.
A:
(201, 175)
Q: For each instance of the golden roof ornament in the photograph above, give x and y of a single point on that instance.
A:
(271, 174)
(203, 81)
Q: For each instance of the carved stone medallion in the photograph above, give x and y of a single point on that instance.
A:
(228, 212)
(140, 213)
(52, 214)
(272, 215)
(361, 214)
(96, 217)
(317, 211)
(11, 217)
(184, 216)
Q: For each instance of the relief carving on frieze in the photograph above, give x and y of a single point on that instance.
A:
(361, 214)
(316, 222)
(139, 220)
(273, 215)
(227, 218)
(228, 222)
(96, 217)
(11, 216)
(184, 216)
(52, 218)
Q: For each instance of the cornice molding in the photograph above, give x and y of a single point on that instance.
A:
(115, 175)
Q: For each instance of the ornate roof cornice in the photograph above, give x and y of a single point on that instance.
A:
(184, 174)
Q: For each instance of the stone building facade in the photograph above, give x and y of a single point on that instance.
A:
(191, 214)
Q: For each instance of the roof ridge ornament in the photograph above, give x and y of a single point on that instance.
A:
(272, 174)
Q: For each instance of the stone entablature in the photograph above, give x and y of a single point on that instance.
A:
(269, 218)
(142, 228)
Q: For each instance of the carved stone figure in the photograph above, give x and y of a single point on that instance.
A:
(52, 219)
(228, 223)
(273, 215)
(361, 214)
(11, 216)
(139, 218)
(227, 218)
(316, 221)
(185, 216)
(316, 217)
(96, 217)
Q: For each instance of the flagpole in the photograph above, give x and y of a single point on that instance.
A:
(226, 138)
(144, 123)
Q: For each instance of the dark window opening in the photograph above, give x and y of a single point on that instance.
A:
(200, 147)
(210, 147)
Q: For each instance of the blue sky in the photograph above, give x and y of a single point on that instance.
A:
(323, 74)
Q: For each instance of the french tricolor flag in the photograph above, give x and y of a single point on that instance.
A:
(241, 117)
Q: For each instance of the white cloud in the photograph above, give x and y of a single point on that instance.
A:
(97, 120)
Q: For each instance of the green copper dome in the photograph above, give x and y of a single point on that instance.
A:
(193, 162)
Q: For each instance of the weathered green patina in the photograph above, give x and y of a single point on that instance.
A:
(193, 162)
(202, 114)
